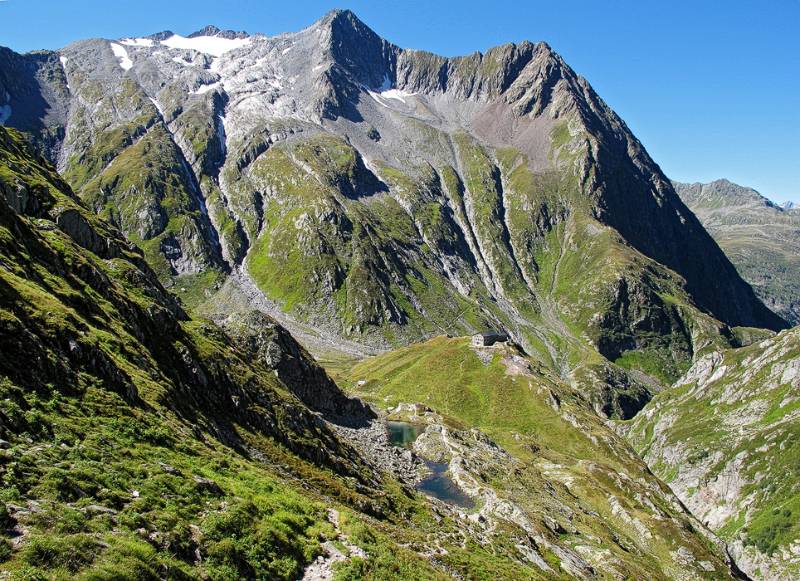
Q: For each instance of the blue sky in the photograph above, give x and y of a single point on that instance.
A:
(712, 88)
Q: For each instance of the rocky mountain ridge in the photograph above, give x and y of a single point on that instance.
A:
(385, 195)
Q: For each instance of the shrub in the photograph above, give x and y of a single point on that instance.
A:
(5, 550)
(770, 537)
(71, 552)
(6, 520)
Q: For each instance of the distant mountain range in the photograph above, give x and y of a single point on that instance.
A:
(761, 238)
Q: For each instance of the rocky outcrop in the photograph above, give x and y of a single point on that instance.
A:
(34, 97)
(271, 345)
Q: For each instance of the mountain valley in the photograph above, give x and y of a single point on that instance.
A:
(230, 264)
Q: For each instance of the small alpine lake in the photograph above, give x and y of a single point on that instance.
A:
(437, 484)
(440, 485)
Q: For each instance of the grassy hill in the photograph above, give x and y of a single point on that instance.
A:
(611, 506)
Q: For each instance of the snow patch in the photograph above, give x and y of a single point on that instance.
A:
(392, 94)
(284, 51)
(388, 91)
(213, 45)
(158, 107)
(63, 61)
(397, 94)
(5, 114)
(203, 89)
(221, 135)
(142, 42)
(124, 60)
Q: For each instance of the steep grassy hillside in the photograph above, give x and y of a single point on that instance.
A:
(127, 427)
(726, 438)
(136, 443)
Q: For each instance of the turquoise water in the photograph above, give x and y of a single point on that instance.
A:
(441, 486)
(402, 433)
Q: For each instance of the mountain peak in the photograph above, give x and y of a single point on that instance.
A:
(363, 57)
(159, 36)
(340, 15)
(211, 30)
(345, 25)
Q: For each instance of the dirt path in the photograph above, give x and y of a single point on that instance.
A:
(322, 569)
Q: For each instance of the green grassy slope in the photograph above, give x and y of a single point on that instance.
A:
(566, 454)
(726, 438)
(359, 265)
(126, 165)
(140, 444)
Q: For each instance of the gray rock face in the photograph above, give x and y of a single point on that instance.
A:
(34, 97)
(761, 238)
(724, 438)
(273, 346)
(78, 228)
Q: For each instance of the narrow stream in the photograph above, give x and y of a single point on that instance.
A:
(438, 484)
